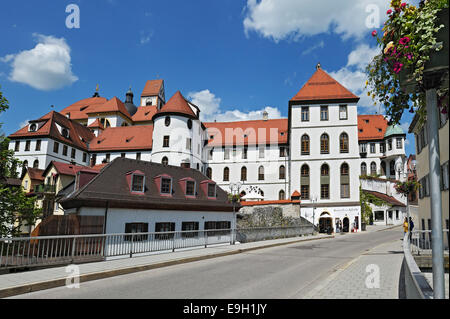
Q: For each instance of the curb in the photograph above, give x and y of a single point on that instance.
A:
(54, 283)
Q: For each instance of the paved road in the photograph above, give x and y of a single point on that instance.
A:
(282, 272)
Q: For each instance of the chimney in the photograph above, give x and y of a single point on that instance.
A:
(185, 164)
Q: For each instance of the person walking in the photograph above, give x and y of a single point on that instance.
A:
(411, 227)
(405, 225)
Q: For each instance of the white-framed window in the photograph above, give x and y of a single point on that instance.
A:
(166, 185)
(305, 114)
(372, 148)
(226, 153)
(137, 183)
(399, 142)
(211, 190)
(262, 151)
(324, 113)
(190, 188)
(188, 143)
(343, 112)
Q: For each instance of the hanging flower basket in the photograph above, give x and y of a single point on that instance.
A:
(414, 47)
(438, 59)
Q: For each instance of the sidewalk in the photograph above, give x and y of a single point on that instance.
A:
(349, 282)
(24, 282)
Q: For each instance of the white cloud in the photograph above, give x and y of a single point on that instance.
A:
(45, 67)
(353, 75)
(23, 124)
(209, 106)
(293, 19)
(319, 45)
(145, 37)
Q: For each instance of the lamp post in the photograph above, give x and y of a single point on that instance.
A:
(314, 200)
(234, 187)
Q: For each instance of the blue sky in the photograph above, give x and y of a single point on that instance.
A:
(235, 58)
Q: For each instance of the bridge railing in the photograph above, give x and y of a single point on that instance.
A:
(420, 243)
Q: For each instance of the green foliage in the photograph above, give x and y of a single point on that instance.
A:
(408, 41)
(406, 188)
(16, 210)
(365, 200)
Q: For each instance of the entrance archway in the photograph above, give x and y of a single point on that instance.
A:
(345, 225)
(325, 223)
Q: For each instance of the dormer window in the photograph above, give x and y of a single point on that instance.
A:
(190, 188)
(148, 102)
(211, 190)
(166, 186)
(33, 127)
(137, 183)
(65, 132)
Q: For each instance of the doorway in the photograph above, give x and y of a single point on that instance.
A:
(345, 225)
(325, 223)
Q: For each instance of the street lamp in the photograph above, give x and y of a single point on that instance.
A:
(314, 200)
(234, 187)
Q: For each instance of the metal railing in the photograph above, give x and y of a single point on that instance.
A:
(26, 252)
(420, 243)
(45, 188)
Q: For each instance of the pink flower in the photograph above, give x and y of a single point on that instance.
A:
(404, 40)
(409, 56)
(403, 5)
(389, 11)
(374, 33)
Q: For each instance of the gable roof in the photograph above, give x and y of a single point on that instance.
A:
(137, 137)
(113, 105)
(322, 87)
(78, 110)
(177, 105)
(371, 127)
(68, 169)
(391, 200)
(35, 173)
(144, 113)
(111, 185)
(253, 132)
(96, 124)
(79, 135)
(152, 87)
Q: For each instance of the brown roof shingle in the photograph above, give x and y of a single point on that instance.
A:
(371, 127)
(137, 137)
(152, 87)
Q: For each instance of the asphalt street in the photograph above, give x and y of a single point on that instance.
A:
(289, 271)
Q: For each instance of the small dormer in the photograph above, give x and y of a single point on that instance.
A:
(35, 126)
(136, 182)
(164, 185)
(209, 188)
(189, 187)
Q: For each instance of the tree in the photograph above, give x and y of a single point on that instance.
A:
(365, 200)
(16, 209)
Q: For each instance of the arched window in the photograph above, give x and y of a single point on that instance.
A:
(325, 181)
(325, 170)
(282, 172)
(226, 174)
(324, 144)
(209, 172)
(261, 173)
(281, 195)
(165, 161)
(363, 169)
(243, 173)
(373, 168)
(345, 181)
(304, 181)
(343, 143)
(36, 164)
(305, 145)
(25, 164)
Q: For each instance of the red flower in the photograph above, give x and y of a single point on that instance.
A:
(389, 11)
(403, 5)
(374, 33)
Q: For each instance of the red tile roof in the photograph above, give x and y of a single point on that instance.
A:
(79, 135)
(322, 86)
(96, 124)
(391, 200)
(177, 104)
(113, 105)
(137, 137)
(35, 173)
(371, 127)
(152, 87)
(78, 110)
(144, 113)
(70, 169)
(248, 132)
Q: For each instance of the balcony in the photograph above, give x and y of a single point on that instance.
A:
(44, 188)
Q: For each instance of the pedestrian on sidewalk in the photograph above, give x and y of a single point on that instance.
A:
(411, 227)
(405, 225)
